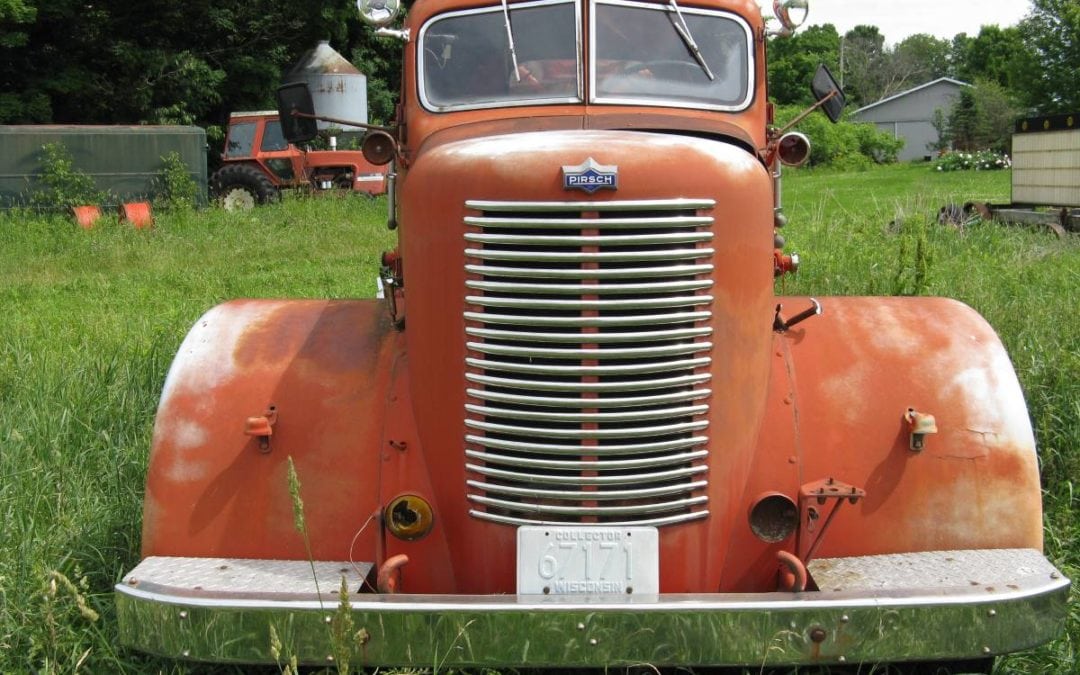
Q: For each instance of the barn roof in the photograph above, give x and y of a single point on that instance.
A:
(911, 91)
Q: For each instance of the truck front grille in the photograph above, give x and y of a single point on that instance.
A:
(588, 337)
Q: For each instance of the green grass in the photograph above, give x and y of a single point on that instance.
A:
(92, 319)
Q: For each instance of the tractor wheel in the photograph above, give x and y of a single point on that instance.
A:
(239, 187)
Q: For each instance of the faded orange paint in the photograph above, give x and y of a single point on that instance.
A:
(369, 414)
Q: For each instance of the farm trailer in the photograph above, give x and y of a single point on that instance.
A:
(1045, 176)
(581, 429)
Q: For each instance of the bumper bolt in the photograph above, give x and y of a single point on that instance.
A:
(845, 618)
(592, 642)
(818, 635)
(986, 650)
(991, 613)
(183, 614)
(581, 626)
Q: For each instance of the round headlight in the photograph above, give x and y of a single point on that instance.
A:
(379, 13)
(408, 517)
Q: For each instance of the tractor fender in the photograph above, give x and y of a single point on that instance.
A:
(255, 384)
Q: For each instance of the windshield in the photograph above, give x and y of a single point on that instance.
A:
(639, 55)
(466, 60)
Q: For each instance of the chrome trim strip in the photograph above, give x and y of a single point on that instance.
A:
(580, 354)
(591, 289)
(595, 338)
(548, 385)
(591, 450)
(625, 510)
(600, 371)
(598, 403)
(576, 465)
(656, 522)
(591, 223)
(547, 432)
(588, 321)
(600, 303)
(590, 495)
(613, 205)
(554, 479)
(615, 273)
(590, 240)
(560, 416)
(597, 256)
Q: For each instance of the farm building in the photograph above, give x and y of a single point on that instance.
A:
(909, 115)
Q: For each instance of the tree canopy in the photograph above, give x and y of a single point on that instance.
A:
(160, 61)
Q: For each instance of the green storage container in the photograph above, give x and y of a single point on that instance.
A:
(125, 161)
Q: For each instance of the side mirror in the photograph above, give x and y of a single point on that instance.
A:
(828, 93)
(791, 14)
(297, 113)
(378, 13)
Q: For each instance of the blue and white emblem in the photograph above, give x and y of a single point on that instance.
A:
(590, 176)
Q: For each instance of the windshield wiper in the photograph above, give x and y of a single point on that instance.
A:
(681, 28)
(510, 40)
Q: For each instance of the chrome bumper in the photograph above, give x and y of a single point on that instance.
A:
(940, 605)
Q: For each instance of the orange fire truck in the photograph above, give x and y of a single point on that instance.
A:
(581, 430)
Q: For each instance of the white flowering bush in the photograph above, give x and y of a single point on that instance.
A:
(982, 160)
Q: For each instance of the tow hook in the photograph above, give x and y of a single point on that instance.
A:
(389, 577)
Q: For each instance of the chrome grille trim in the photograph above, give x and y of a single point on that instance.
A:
(608, 464)
(620, 479)
(615, 273)
(614, 256)
(592, 289)
(580, 240)
(655, 522)
(588, 358)
(548, 432)
(585, 206)
(588, 322)
(594, 338)
(560, 416)
(646, 303)
(598, 450)
(549, 385)
(547, 353)
(586, 495)
(637, 369)
(576, 510)
(599, 403)
(575, 223)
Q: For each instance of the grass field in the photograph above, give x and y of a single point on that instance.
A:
(91, 320)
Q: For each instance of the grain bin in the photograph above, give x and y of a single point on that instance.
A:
(338, 89)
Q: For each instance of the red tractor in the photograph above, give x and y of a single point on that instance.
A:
(258, 163)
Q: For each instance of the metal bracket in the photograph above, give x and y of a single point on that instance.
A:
(781, 325)
(812, 498)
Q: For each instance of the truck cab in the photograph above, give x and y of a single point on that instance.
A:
(581, 429)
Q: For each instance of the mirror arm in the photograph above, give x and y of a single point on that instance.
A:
(801, 116)
(349, 123)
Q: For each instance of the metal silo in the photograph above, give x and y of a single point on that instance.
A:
(338, 89)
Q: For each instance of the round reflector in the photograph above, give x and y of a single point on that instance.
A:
(378, 147)
(793, 149)
(408, 517)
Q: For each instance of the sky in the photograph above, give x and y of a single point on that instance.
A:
(898, 19)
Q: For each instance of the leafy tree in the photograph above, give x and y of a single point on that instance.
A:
(981, 118)
(997, 54)
(1052, 30)
(793, 60)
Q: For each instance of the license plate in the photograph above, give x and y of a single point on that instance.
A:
(587, 560)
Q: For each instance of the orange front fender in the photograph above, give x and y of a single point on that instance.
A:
(217, 484)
